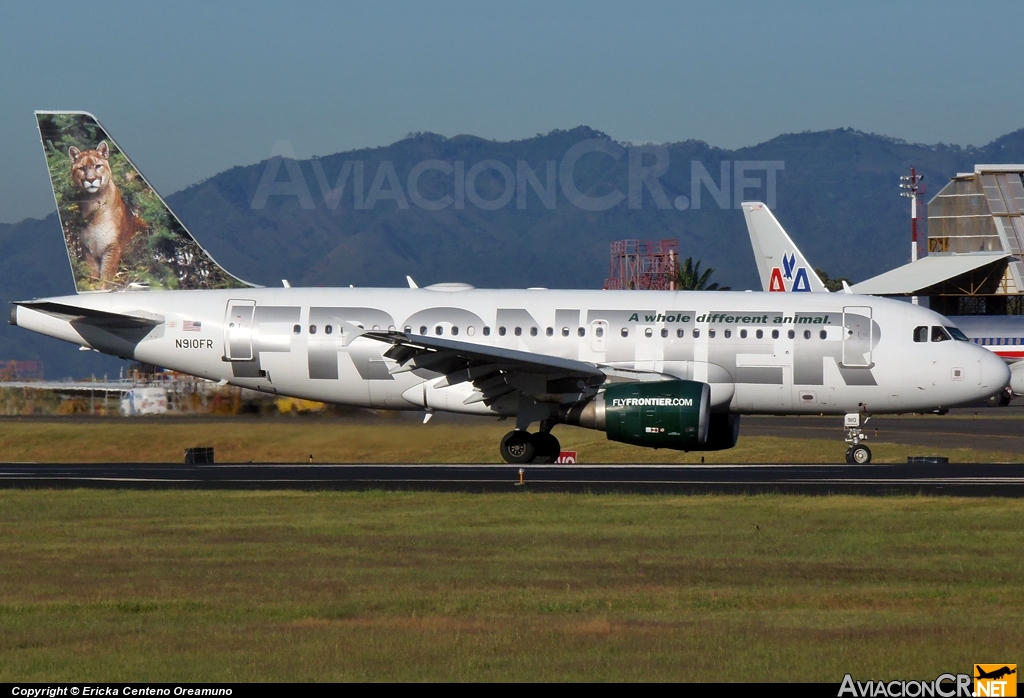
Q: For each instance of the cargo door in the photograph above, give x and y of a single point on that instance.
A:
(238, 330)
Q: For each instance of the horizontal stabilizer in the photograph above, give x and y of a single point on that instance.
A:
(73, 312)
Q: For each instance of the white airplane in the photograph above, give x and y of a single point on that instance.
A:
(783, 268)
(651, 368)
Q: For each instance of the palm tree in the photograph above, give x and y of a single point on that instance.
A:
(828, 282)
(690, 278)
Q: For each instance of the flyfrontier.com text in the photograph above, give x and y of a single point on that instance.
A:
(652, 402)
(943, 686)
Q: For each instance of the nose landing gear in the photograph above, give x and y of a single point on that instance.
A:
(521, 446)
(857, 453)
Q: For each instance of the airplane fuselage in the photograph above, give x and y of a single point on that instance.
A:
(761, 353)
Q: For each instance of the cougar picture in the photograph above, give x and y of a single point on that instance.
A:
(108, 225)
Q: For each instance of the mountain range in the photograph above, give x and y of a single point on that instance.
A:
(535, 212)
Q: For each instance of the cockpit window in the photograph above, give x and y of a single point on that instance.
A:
(939, 334)
(957, 334)
(921, 333)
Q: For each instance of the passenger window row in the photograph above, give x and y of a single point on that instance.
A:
(329, 329)
(999, 341)
(599, 331)
(502, 331)
(727, 334)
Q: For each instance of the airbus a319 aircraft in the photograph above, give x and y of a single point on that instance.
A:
(651, 368)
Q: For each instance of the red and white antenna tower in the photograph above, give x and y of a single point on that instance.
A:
(911, 190)
(643, 264)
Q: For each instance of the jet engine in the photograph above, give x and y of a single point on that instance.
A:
(1017, 377)
(665, 414)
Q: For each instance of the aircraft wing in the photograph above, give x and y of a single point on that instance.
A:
(494, 371)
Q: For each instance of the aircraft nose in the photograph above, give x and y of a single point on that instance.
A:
(995, 374)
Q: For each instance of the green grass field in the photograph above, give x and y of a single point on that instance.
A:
(388, 441)
(224, 586)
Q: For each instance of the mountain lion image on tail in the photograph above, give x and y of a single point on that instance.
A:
(108, 225)
(120, 234)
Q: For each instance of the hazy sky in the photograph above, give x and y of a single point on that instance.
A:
(195, 88)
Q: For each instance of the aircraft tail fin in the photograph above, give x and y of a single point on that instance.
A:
(119, 233)
(780, 264)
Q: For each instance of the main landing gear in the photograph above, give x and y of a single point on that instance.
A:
(857, 453)
(520, 446)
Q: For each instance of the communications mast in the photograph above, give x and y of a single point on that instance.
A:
(909, 185)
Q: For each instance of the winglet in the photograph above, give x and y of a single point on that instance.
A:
(350, 332)
(780, 264)
(846, 287)
(412, 284)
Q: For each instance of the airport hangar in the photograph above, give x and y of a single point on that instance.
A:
(975, 261)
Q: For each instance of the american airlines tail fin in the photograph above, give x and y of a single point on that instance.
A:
(119, 233)
(781, 266)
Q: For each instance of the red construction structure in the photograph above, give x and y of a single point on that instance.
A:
(643, 264)
(21, 370)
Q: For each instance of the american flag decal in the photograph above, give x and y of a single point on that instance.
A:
(192, 326)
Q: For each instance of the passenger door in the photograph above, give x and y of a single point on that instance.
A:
(238, 330)
(858, 336)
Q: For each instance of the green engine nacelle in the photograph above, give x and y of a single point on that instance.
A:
(664, 414)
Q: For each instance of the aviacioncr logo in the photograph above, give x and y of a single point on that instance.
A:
(790, 277)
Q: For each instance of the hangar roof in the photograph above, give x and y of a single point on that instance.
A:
(930, 271)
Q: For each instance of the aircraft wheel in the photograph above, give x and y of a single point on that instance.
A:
(546, 448)
(518, 447)
(859, 455)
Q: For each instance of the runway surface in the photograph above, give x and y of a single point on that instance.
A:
(997, 480)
